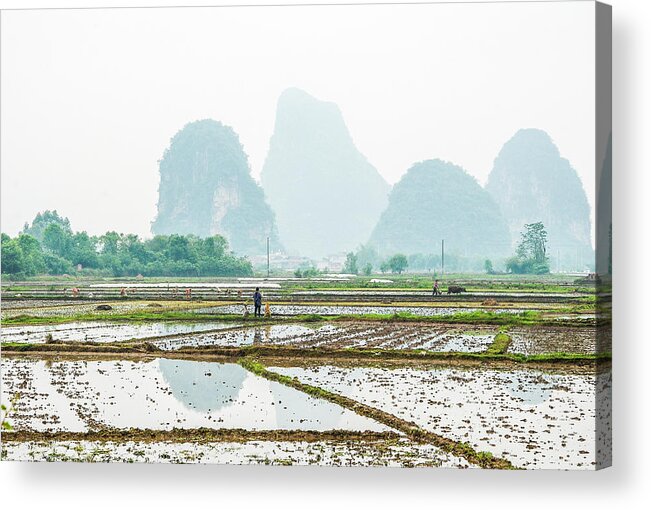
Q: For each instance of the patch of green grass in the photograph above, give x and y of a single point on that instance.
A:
(528, 317)
(310, 317)
(480, 316)
(500, 344)
(567, 356)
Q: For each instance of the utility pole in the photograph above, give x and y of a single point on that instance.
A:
(442, 257)
(267, 256)
(558, 260)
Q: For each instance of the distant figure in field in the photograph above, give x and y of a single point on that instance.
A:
(123, 292)
(188, 293)
(435, 289)
(257, 301)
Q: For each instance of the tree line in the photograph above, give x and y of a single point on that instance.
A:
(49, 246)
(530, 258)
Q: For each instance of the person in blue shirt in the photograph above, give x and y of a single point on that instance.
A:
(257, 301)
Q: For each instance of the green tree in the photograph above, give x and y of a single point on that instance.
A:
(368, 269)
(109, 243)
(57, 239)
(33, 261)
(531, 253)
(56, 264)
(12, 256)
(122, 255)
(350, 266)
(42, 221)
(179, 248)
(488, 266)
(84, 250)
(533, 243)
(398, 263)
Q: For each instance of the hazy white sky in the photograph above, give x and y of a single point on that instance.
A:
(91, 98)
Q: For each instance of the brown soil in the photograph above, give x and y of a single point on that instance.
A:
(200, 435)
(288, 356)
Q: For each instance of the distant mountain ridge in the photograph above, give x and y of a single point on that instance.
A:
(329, 199)
(438, 200)
(531, 182)
(206, 188)
(326, 195)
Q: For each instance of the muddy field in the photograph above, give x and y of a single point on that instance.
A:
(356, 385)
(540, 340)
(345, 335)
(336, 335)
(534, 419)
(361, 453)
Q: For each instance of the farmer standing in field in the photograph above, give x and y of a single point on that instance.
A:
(435, 290)
(257, 301)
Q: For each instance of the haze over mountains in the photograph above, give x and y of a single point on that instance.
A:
(326, 195)
(206, 188)
(531, 182)
(437, 200)
(326, 198)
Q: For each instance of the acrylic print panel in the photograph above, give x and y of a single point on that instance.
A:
(360, 235)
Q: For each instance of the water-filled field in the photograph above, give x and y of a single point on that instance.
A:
(320, 309)
(494, 378)
(345, 335)
(105, 331)
(162, 394)
(534, 419)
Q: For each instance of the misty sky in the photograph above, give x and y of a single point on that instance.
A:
(91, 98)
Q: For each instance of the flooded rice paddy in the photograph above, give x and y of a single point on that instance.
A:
(291, 310)
(104, 331)
(132, 403)
(541, 340)
(437, 337)
(344, 335)
(533, 419)
(89, 308)
(162, 394)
